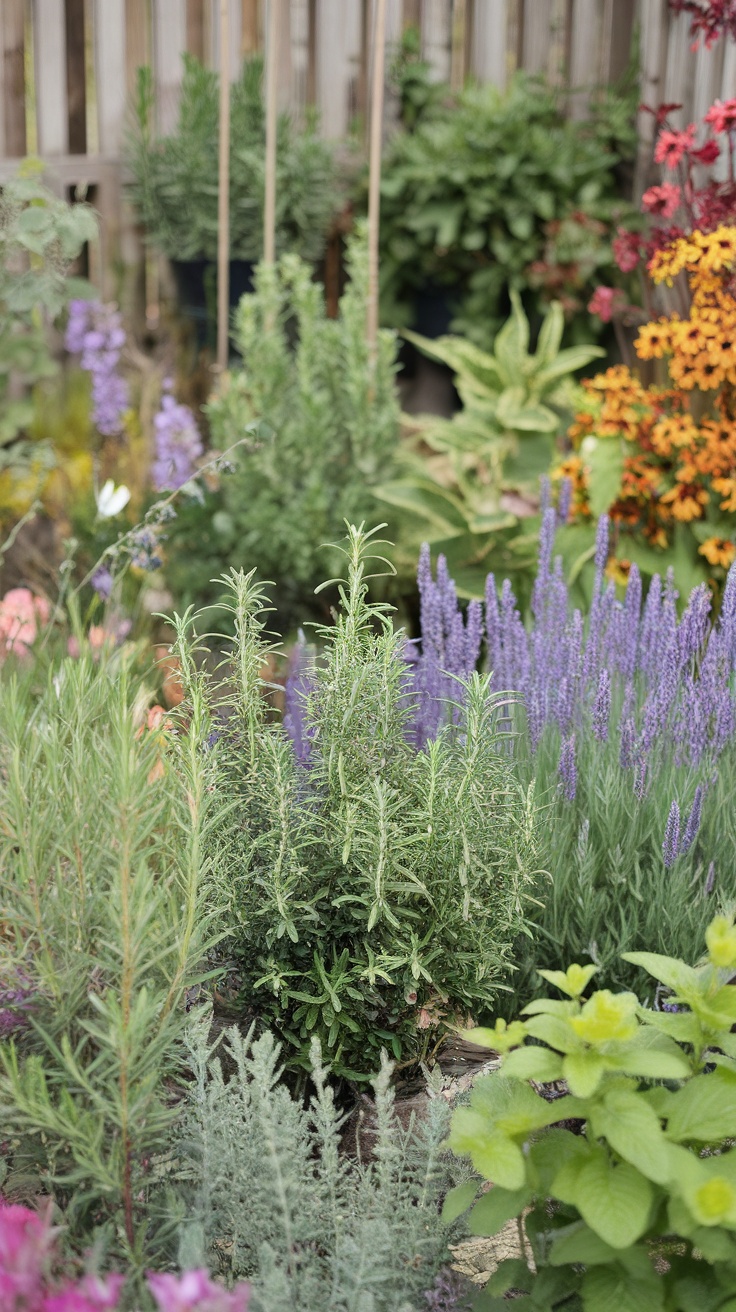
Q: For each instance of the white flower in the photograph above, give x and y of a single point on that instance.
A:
(111, 500)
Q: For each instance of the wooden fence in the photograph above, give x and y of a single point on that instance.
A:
(67, 70)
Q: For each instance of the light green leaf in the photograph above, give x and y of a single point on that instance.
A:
(583, 1071)
(611, 1289)
(705, 1109)
(550, 335)
(496, 1208)
(578, 1243)
(604, 460)
(567, 362)
(533, 1063)
(615, 1200)
(458, 1200)
(633, 1130)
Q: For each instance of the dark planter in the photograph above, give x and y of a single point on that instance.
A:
(434, 309)
(196, 287)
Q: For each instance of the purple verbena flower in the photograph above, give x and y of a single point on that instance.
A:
(102, 582)
(178, 445)
(692, 824)
(95, 332)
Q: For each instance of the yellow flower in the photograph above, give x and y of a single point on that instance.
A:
(654, 340)
(686, 501)
(714, 1201)
(720, 939)
(718, 551)
(606, 1018)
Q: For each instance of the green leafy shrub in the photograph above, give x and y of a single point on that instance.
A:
(104, 928)
(474, 199)
(175, 184)
(503, 440)
(638, 1210)
(40, 237)
(373, 890)
(271, 1194)
(335, 421)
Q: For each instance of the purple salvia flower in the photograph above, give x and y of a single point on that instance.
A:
(602, 707)
(628, 624)
(727, 621)
(640, 779)
(692, 824)
(601, 545)
(693, 627)
(544, 561)
(102, 582)
(177, 443)
(95, 332)
(649, 632)
(567, 768)
(564, 500)
(473, 636)
(545, 495)
(671, 843)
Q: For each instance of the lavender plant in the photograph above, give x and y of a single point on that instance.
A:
(625, 720)
(104, 928)
(373, 891)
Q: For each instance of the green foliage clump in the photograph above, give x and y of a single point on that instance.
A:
(476, 196)
(514, 407)
(40, 237)
(638, 1209)
(335, 418)
(104, 926)
(270, 1193)
(372, 893)
(175, 185)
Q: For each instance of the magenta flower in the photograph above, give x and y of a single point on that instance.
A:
(91, 1294)
(26, 1242)
(671, 146)
(194, 1291)
(663, 200)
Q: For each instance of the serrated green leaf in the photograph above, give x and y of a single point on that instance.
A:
(633, 1130)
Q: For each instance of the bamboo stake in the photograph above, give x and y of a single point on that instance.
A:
(272, 65)
(223, 198)
(374, 183)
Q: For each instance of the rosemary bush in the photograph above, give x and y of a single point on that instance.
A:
(335, 420)
(270, 1195)
(103, 930)
(371, 889)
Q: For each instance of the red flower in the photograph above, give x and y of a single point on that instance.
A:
(662, 200)
(722, 115)
(707, 154)
(661, 112)
(605, 301)
(671, 146)
(626, 250)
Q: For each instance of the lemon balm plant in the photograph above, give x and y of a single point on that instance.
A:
(636, 1210)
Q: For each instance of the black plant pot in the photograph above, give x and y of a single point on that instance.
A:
(435, 307)
(196, 287)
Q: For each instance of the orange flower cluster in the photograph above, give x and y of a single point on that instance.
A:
(682, 437)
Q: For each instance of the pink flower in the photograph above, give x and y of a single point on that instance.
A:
(605, 302)
(20, 614)
(707, 153)
(26, 1241)
(722, 115)
(195, 1292)
(91, 1294)
(671, 146)
(626, 251)
(662, 200)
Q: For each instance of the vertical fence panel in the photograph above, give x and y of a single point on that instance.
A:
(138, 39)
(12, 34)
(708, 76)
(584, 41)
(332, 66)
(195, 28)
(49, 50)
(110, 75)
(654, 27)
(489, 41)
(436, 39)
(618, 20)
(678, 72)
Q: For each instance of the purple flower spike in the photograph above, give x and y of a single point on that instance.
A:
(692, 824)
(567, 769)
(95, 332)
(102, 582)
(602, 707)
(564, 501)
(671, 844)
(178, 445)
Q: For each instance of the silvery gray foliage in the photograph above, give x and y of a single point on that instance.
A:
(270, 1196)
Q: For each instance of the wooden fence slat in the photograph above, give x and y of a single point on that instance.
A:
(584, 41)
(489, 41)
(436, 40)
(458, 43)
(536, 34)
(653, 27)
(169, 44)
(76, 91)
(138, 39)
(708, 77)
(110, 75)
(678, 71)
(235, 19)
(195, 28)
(332, 73)
(49, 51)
(14, 105)
(250, 27)
(617, 28)
(412, 13)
